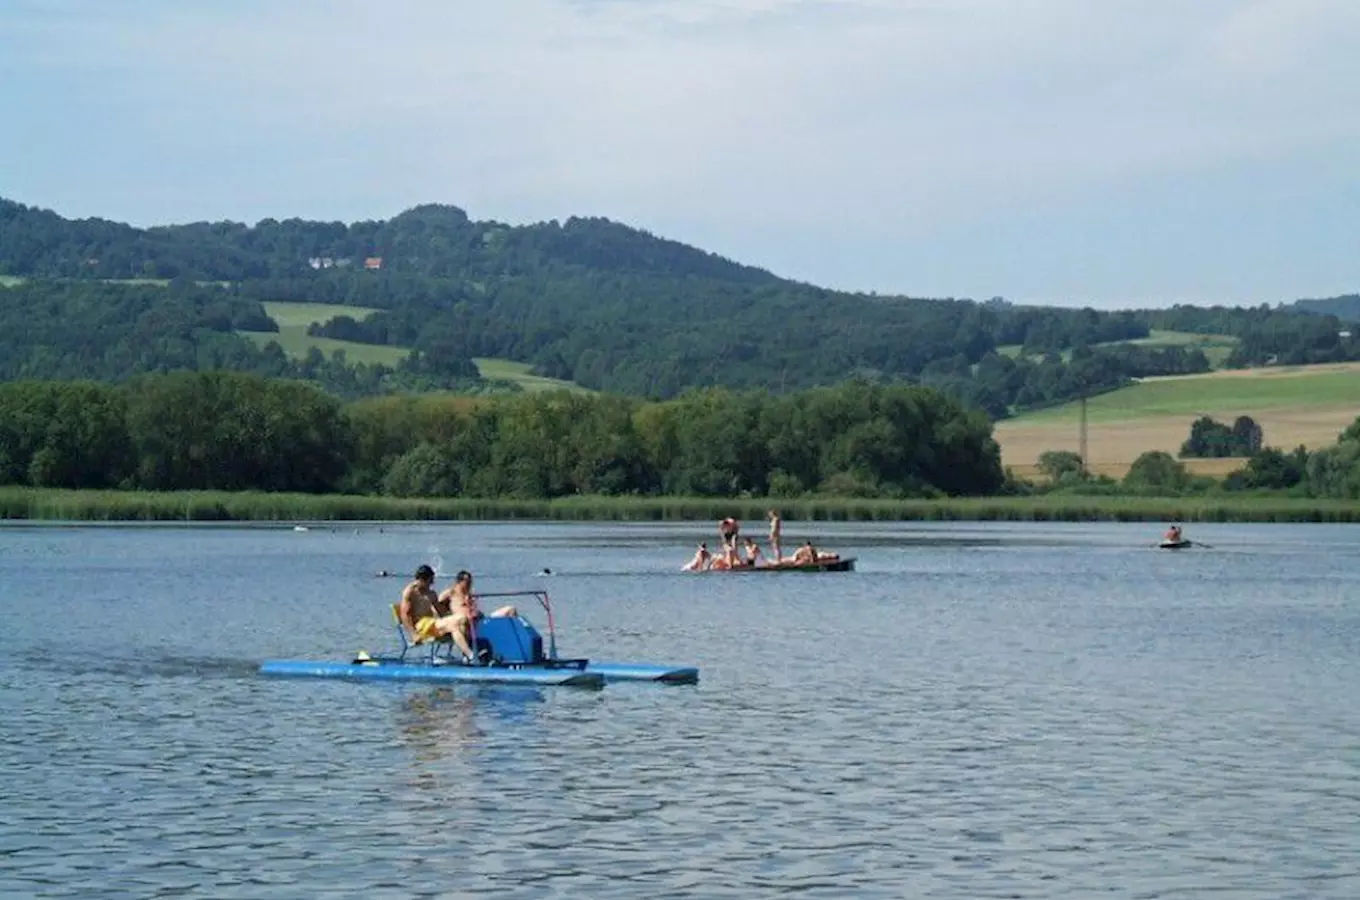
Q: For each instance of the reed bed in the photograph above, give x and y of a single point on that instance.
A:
(218, 506)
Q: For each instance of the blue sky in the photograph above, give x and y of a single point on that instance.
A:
(1101, 152)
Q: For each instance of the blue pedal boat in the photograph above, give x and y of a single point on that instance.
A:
(509, 651)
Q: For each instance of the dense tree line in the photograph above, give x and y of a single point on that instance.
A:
(111, 332)
(1211, 438)
(1300, 334)
(1000, 384)
(235, 431)
(1345, 307)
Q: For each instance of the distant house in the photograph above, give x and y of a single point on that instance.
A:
(1343, 334)
(373, 262)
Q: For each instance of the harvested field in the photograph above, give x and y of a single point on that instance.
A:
(1308, 405)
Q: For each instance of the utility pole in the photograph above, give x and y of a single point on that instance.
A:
(1085, 472)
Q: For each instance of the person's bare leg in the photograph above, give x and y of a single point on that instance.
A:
(505, 611)
(456, 627)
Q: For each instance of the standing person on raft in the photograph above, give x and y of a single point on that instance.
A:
(729, 528)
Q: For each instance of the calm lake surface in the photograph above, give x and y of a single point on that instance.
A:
(979, 711)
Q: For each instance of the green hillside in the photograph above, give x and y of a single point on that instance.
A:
(585, 300)
(1249, 391)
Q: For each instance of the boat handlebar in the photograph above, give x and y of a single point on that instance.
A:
(542, 597)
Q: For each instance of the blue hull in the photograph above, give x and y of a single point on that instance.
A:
(637, 672)
(387, 670)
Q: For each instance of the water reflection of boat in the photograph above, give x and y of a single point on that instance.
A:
(439, 721)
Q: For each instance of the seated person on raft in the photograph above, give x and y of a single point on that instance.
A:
(807, 555)
(702, 560)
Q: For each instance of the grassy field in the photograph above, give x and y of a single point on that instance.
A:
(292, 336)
(294, 318)
(218, 506)
(1294, 405)
(506, 370)
(1215, 346)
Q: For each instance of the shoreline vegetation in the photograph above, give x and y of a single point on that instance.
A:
(65, 505)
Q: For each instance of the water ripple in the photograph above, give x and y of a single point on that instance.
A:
(959, 720)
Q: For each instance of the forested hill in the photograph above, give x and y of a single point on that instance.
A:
(1346, 307)
(589, 300)
(430, 241)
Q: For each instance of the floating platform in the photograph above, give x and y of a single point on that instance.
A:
(399, 670)
(643, 672)
(847, 564)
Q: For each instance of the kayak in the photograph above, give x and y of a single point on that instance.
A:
(1175, 545)
(846, 564)
(509, 649)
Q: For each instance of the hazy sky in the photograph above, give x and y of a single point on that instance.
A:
(1110, 152)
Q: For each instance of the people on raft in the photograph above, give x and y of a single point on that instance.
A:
(451, 614)
(701, 561)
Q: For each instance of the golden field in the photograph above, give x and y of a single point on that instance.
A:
(1308, 405)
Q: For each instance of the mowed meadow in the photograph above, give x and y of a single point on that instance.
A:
(1216, 347)
(1308, 405)
(295, 318)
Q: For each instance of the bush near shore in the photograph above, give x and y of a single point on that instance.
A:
(50, 504)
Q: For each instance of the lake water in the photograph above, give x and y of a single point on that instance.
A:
(978, 711)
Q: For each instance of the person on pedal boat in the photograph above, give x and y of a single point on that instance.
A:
(419, 608)
(463, 613)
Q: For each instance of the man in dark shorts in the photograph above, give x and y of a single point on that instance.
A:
(729, 528)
